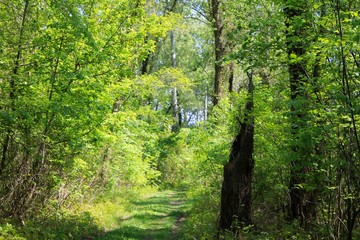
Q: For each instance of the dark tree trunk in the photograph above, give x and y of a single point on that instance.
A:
(231, 77)
(302, 201)
(145, 64)
(236, 200)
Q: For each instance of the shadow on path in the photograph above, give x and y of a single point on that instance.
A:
(156, 217)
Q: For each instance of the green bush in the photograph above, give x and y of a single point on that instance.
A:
(8, 232)
(62, 227)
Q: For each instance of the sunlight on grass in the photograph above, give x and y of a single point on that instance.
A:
(154, 215)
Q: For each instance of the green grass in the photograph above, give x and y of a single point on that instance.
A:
(154, 216)
(144, 214)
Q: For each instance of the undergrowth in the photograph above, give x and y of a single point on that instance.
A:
(84, 221)
(63, 227)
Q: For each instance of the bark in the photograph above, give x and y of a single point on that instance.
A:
(236, 192)
(4, 152)
(175, 104)
(176, 114)
(145, 65)
(302, 201)
(206, 105)
(231, 77)
(146, 60)
(219, 50)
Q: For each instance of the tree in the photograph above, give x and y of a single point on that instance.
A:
(65, 59)
(219, 48)
(236, 191)
(302, 200)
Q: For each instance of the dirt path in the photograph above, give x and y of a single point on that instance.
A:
(156, 216)
(180, 218)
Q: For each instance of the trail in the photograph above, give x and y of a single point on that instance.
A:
(157, 216)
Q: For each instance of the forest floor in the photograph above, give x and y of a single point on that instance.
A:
(154, 216)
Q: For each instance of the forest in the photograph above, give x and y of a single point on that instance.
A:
(179, 119)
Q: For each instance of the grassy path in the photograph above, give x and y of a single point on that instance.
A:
(156, 216)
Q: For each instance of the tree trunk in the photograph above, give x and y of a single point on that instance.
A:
(145, 64)
(302, 201)
(12, 83)
(219, 51)
(206, 105)
(231, 77)
(236, 199)
(175, 104)
(352, 145)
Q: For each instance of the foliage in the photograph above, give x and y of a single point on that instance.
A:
(87, 109)
(7, 231)
(62, 226)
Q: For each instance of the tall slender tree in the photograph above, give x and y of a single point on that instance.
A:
(219, 46)
(302, 200)
(175, 103)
